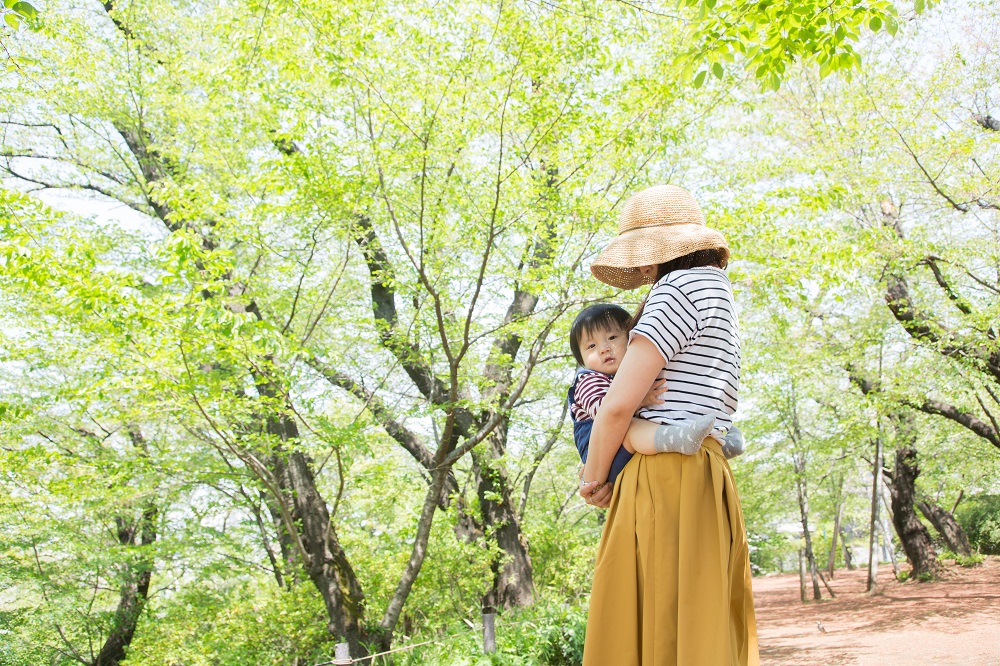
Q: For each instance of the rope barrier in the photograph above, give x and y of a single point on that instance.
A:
(347, 660)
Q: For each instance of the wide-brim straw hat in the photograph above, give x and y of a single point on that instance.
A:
(657, 225)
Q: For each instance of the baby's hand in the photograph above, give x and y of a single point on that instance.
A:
(652, 396)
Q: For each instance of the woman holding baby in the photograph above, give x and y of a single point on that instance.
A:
(672, 577)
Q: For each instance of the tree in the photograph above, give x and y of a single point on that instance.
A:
(353, 178)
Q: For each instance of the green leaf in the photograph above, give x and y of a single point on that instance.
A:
(699, 80)
(919, 6)
(775, 82)
(717, 70)
(875, 24)
(891, 26)
(9, 3)
(25, 9)
(13, 20)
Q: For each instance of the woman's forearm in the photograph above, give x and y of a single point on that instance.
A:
(639, 367)
(607, 435)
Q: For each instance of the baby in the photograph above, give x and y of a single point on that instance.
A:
(598, 340)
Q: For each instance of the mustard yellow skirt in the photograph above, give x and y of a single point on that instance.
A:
(672, 580)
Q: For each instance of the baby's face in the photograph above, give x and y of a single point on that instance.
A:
(602, 349)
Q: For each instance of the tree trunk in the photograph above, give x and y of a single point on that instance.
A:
(873, 523)
(512, 574)
(832, 560)
(890, 548)
(912, 534)
(134, 589)
(949, 529)
(327, 563)
(802, 577)
(800, 486)
(310, 525)
(848, 551)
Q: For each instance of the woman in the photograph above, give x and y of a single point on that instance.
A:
(672, 579)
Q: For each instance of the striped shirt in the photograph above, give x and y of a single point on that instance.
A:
(591, 388)
(690, 317)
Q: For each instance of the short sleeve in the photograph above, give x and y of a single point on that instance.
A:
(669, 320)
(590, 391)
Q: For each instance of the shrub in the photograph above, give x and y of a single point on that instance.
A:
(972, 561)
(767, 550)
(980, 518)
(549, 633)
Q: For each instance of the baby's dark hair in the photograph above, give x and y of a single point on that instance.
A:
(595, 317)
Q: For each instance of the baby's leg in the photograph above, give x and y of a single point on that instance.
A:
(733, 445)
(650, 438)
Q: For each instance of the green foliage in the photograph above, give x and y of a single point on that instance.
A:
(768, 550)
(232, 623)
(462, 134)
(549, 633)
(16, 11)
(979, 516)
(973, 560)
(766, 38)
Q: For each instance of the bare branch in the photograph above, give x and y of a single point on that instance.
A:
(405, 437)
(495, 418)
(932, 262)
(384, 309)
(539, 457)
(989, 415)
(965, 419)
(35, 155)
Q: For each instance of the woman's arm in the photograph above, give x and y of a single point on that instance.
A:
(641, 365)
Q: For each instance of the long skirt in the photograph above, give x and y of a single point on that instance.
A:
(672, 579)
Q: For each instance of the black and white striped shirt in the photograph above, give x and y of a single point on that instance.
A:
(691, 319)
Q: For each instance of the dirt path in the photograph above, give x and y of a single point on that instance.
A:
(955, 620)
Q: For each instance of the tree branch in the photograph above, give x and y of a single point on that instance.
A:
(405, 437)
(539, 457)
(383, 299)
(932, 262)
(965, 419)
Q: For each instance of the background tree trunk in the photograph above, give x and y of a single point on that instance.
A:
(512, 575)
(873, 523)
(800, 486)
(848, 552)
(913, 535)
(949, 529)
(832, 560)
(134, 589)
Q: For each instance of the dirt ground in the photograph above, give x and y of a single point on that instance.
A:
(954, 620)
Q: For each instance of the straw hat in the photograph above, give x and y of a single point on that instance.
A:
(657, 225)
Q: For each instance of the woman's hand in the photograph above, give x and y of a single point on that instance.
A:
(596, 493)
(652, 396)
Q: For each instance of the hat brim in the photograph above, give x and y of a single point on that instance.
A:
(618, 264)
